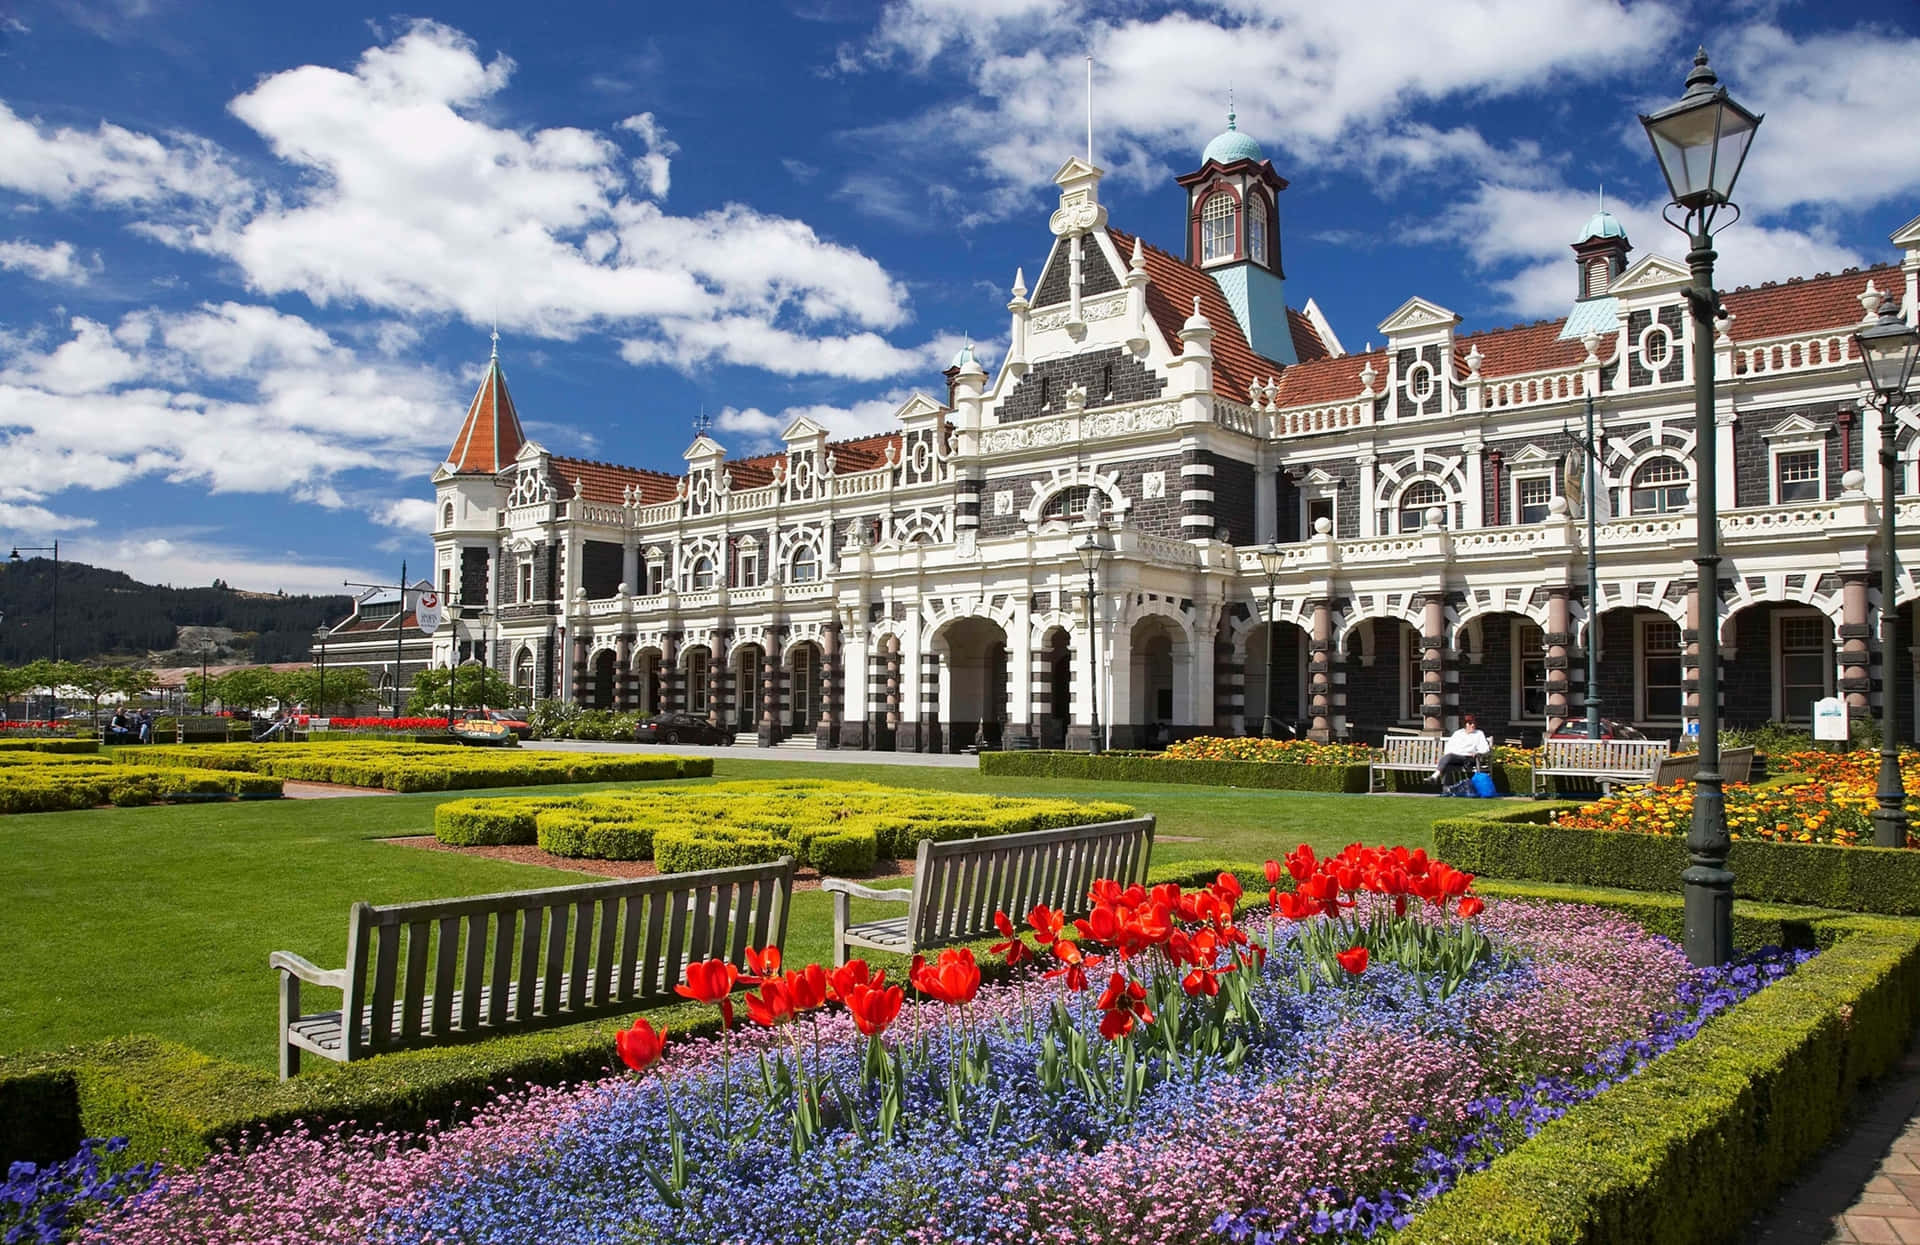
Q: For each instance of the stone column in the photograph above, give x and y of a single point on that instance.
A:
(770, 732)
(718, 655)
(1433, 663)
(833, 684)
(856, 672)
(1039, 691)
(890, 688)
(624, 692)
(1689, 662)
(580, 688)
(673, 680)
(934, 694)
(1557, 636)
(1320, 672)
(1855, 657)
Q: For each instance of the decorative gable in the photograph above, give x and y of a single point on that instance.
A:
(704, 447)
(1795, 428)
(1652, 274)
(1417, 316)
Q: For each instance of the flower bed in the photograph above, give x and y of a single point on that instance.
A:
(1151, 767)
(1322, 1072)
(1253, 748)
(36, 783)
(420, 767)
(837, 827)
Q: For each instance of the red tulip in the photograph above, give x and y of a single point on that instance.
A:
(1201, 981)
(953, 979)
(1014, 950)
(1047, 923)
(851, 976)
(771, 1005)
(807, 988)
(1295, 907)
(765, 963)
(1472, 905)
(1124, 1003)
(1227, 889)
(640, 1047)
(1273, 872)
(1353, 959)
(1074, 965)
(873, 1008)
(1301, 864)
(711, 981)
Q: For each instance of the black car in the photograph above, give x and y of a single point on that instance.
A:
(1576, 728)
(680, 728)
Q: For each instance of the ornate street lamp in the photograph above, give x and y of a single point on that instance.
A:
(1271, 556)
(53, 549)
(321, 635)
(1889, 349)
(1701, 142)
(1091, 551)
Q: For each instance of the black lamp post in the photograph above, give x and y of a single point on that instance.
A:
(204, 650)
(1271, 557)
(1589, 448)
(1091, 551)
(321, 636)
(53, 549)
(1701, 142)
(1889, 348)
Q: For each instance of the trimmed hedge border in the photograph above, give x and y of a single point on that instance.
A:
(1136, 768)
(1705, 1136)
(442, 766)
(1881, 880)
(50, 744)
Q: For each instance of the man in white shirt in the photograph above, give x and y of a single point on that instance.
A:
(1461, 750)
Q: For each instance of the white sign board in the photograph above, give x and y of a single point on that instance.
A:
(1830, 719)
(427, 611)
(1692, 728)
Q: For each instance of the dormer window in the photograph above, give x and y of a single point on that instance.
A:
(1217, 221)
(446, 516)
(1257, 229)
(702, 578)
(806, 565)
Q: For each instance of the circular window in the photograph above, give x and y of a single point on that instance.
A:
(921, 457)
(800, 473)
(1656, 347)
(1420, 382)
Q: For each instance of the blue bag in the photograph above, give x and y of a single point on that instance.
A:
(1483, 784)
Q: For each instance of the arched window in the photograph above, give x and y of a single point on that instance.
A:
(1660, 487)
(1069, 505)
(523, 675)
(701, 578)
(1257, 228)
(1416, 500)
(806, 565)
(446, 516)
(1217, 227)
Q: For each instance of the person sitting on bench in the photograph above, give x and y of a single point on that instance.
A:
(1462, 752)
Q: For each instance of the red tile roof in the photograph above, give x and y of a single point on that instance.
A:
(1306, 338)
(1523, 348)
(1802, 304)
(1171, 288)
(490, 436)
(604, 482)
(1330, 379)
(863, 453)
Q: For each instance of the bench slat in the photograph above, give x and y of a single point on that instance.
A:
(676, 942)
(413, 991)
(670, 971)
(474, 979)
(583, 937)
(737, 944)
(633, 911)
(716, 945)
(603, 961)
(386, 961)
(557, 923)
(533, 921)
(446, 962)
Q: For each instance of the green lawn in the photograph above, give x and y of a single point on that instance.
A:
(160, 920)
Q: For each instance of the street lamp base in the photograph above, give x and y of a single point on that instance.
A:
(1707, 891)
(1890, 824)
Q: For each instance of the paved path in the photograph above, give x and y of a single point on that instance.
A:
(1865, 1189)
(823, 756)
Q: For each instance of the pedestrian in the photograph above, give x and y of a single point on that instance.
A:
(1462, 751)
(146, 726)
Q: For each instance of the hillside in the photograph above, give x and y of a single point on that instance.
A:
(110, 614)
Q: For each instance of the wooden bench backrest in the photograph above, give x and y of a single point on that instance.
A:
(1411, 750)
(1736, 765)
(564, 953)
(959, 884)
(1605, 756)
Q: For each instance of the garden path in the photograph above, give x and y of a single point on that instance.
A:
(1865, 1189)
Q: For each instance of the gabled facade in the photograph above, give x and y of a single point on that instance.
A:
(920, 589)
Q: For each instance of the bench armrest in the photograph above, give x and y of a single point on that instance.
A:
(844, 887)
(306, 970)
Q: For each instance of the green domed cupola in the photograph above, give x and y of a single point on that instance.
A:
(1230, 146)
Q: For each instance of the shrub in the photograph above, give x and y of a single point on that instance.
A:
(685, 849)
(72, 746)
(57, 783)
(1107, 767)
(845, 852)
(443, 766)
(569, 833)
(1254, 748)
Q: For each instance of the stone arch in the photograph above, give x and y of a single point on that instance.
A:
(1446, 471)
(1507, 600)
(1776, 590)
(1289, 609)
(1053, 620)
(940, 612)
(1107, 483)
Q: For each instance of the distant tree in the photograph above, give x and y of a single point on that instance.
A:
(439, 690)
(13, 681)
(249, 688)
(132, 681)
(346, 687)
(96, 681)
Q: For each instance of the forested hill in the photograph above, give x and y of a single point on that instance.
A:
(109, 614)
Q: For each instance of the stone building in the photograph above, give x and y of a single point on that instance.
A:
(921, 590)
(380, 637)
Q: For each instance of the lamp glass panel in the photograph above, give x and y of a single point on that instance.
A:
(1736, 135)
(1685, 143)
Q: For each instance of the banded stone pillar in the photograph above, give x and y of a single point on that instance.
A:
(625, 693)
(1856, 674)
(931, 736)
(718, 654)
(826, 733)
(890, 688)
(1557, 637)
(1320, 672)
(1230, 681)
(770, 733)
(1433, 663)
(673, 680)
(580, 688)
(1040, 691)
(1689, 660)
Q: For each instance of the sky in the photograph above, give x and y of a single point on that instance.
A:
(251, 255)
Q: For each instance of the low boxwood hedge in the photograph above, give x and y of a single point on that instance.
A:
(1878, 880)
(1111, 767)
(50, 744)
(74, 784)
(442, 766)
(1706, 1135)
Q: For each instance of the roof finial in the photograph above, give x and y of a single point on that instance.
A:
(1089, 107)
(702, 425)
(1603, 196)
(496, 342)
(1232, 117)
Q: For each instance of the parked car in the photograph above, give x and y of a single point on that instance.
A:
(680, 728)
(513, 719)
(1576, 728)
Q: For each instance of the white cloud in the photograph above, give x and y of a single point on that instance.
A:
(24, 519)
(407, 514)
(58, 263)
(760, 430)
(112, 167)
(167, 558)
(655, 164)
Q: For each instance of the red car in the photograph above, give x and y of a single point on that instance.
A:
(1576, 728)
(512, 719)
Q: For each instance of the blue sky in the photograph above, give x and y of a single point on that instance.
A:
(250, 253)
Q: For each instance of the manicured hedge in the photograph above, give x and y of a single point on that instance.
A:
(421, 767)
(1852, 879)
(1706, 1135)
(837, 827)
(50, 745)
(1109, 767)
(60, 787)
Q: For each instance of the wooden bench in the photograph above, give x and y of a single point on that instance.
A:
(1608, 762)
(1404, 754)
(1736, 764)
(447, 970)
(959, 884)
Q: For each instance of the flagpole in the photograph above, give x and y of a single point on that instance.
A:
(1590, 500)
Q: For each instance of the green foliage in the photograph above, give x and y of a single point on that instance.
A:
(438, 690)
(51, 745)
(1519, 845)
(683, 849)
(1109, 767)
(1707, 1134)
(59, 783)
(553, 719)
(566, 832)
(602, 725)
(250, 687)
(421, 767)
